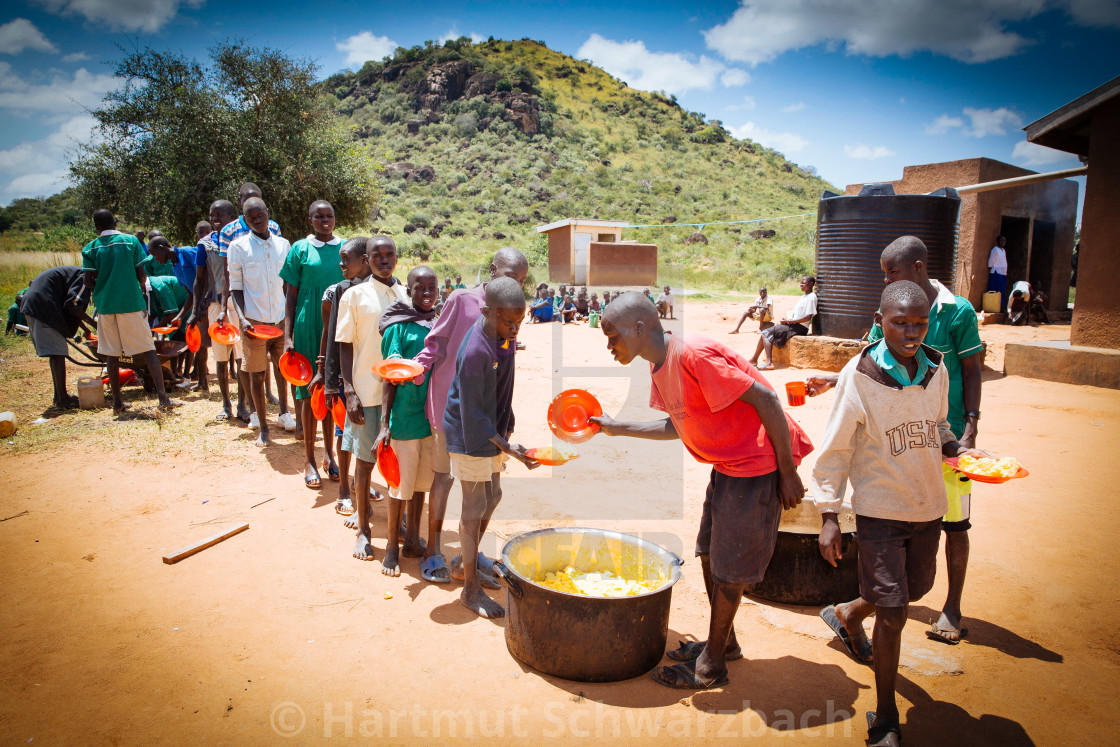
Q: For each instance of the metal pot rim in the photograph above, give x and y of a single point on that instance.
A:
(674, 560)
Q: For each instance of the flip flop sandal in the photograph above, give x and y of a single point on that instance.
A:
(691, 650)
(344, 508)
(828, 614)
(939, 634)
(435, 569)
(332, 472)
(684, 677)
(886, 735)
(222, 415)
(485, 580)
(313, 482)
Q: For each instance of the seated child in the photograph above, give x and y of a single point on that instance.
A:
(568, 312)
(404, 326)
(594, 305)
(887, 434)
(796, 324)
(762, 310)
(478, 422)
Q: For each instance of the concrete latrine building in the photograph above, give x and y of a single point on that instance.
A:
(1038, 220)
(592, 252)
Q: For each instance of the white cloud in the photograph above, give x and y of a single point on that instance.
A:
(453, 33)
(734, 77)
(794, 107)
(1029, 154)
(20, 34)
(75, 57)
(41, 167)
(785, 142)
(867, 152)
(650, 71)
(992, 121)
(1094, 12)
(128, 15)
(943, 124)
(968, 30)
(363, 47)
(61, 95)
(747, 105)
(982, 122)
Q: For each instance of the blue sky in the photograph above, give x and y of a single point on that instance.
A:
(856, 88)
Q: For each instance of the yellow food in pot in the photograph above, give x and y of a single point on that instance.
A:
(1006, 467)
(604, 584)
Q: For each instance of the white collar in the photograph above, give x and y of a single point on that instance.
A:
(110, 232)
(253, 237)
(320, 244)
(944, 295)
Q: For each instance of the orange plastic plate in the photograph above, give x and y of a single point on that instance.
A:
(194, 338)
(318, 402)
(952, 462)
(296, 369)
(265, 332)
(226, 334)
(398, 370)
(568, 415)
(555, 462)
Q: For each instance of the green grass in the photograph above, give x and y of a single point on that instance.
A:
(605, 151)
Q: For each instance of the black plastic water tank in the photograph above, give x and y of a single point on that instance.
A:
(853, 230)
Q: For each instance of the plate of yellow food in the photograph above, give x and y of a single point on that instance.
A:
(552, 456)
(988, 469)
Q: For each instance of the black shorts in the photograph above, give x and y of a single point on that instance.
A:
(739, 527)
(779, 334)
(897, 559)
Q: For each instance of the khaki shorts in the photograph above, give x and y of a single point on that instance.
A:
(222, 353)
(415, 459)
(255, 352)
(119, 335)
(441, 460)
(476, 469)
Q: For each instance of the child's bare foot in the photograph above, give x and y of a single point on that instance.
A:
(391, 566)
(477, 602)
(263, 439)
(414, 548)
(119, 407)
(243, 414)
(272, 399)
(352, 520)
(363, 550)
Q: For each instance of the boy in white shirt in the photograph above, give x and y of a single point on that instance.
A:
(254, 261)
(359, 316)
(797, 324)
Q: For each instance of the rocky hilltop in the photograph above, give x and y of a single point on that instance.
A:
(482, 142)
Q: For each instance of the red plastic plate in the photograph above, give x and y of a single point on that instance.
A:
(398, 370)
(568, 415)
(388, 465)
(265, 332)
(296, 369)
(194, 338)
(952, 462)
(318, 402)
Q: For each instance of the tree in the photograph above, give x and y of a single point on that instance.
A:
(178, 136)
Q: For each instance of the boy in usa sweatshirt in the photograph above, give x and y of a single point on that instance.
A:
(887, 434)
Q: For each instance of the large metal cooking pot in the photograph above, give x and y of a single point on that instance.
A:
(577, 637)
(797, 573)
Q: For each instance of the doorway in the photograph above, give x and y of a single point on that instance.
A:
(1042, 256)
(1018, 233)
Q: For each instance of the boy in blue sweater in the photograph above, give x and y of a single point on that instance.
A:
(478, 422)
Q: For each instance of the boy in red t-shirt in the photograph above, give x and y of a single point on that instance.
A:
(728, 416)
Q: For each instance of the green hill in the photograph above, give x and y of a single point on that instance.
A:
(483, 142)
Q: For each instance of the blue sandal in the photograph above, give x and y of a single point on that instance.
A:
(435, 569)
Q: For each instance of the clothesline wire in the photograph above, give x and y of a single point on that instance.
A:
(716, 222)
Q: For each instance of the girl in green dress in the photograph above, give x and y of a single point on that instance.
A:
(311, 267)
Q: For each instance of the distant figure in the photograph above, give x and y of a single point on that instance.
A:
(459, 282)
(1073, 264)
(997, 269)
(665, 303)
(54, 307)
(143, 239)
(796, 324)
(762, 310)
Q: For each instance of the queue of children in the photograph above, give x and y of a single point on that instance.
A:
(911, 397)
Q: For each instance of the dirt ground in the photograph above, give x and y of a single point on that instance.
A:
(279, 632)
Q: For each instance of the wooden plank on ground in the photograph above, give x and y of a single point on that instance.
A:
(189, 550)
